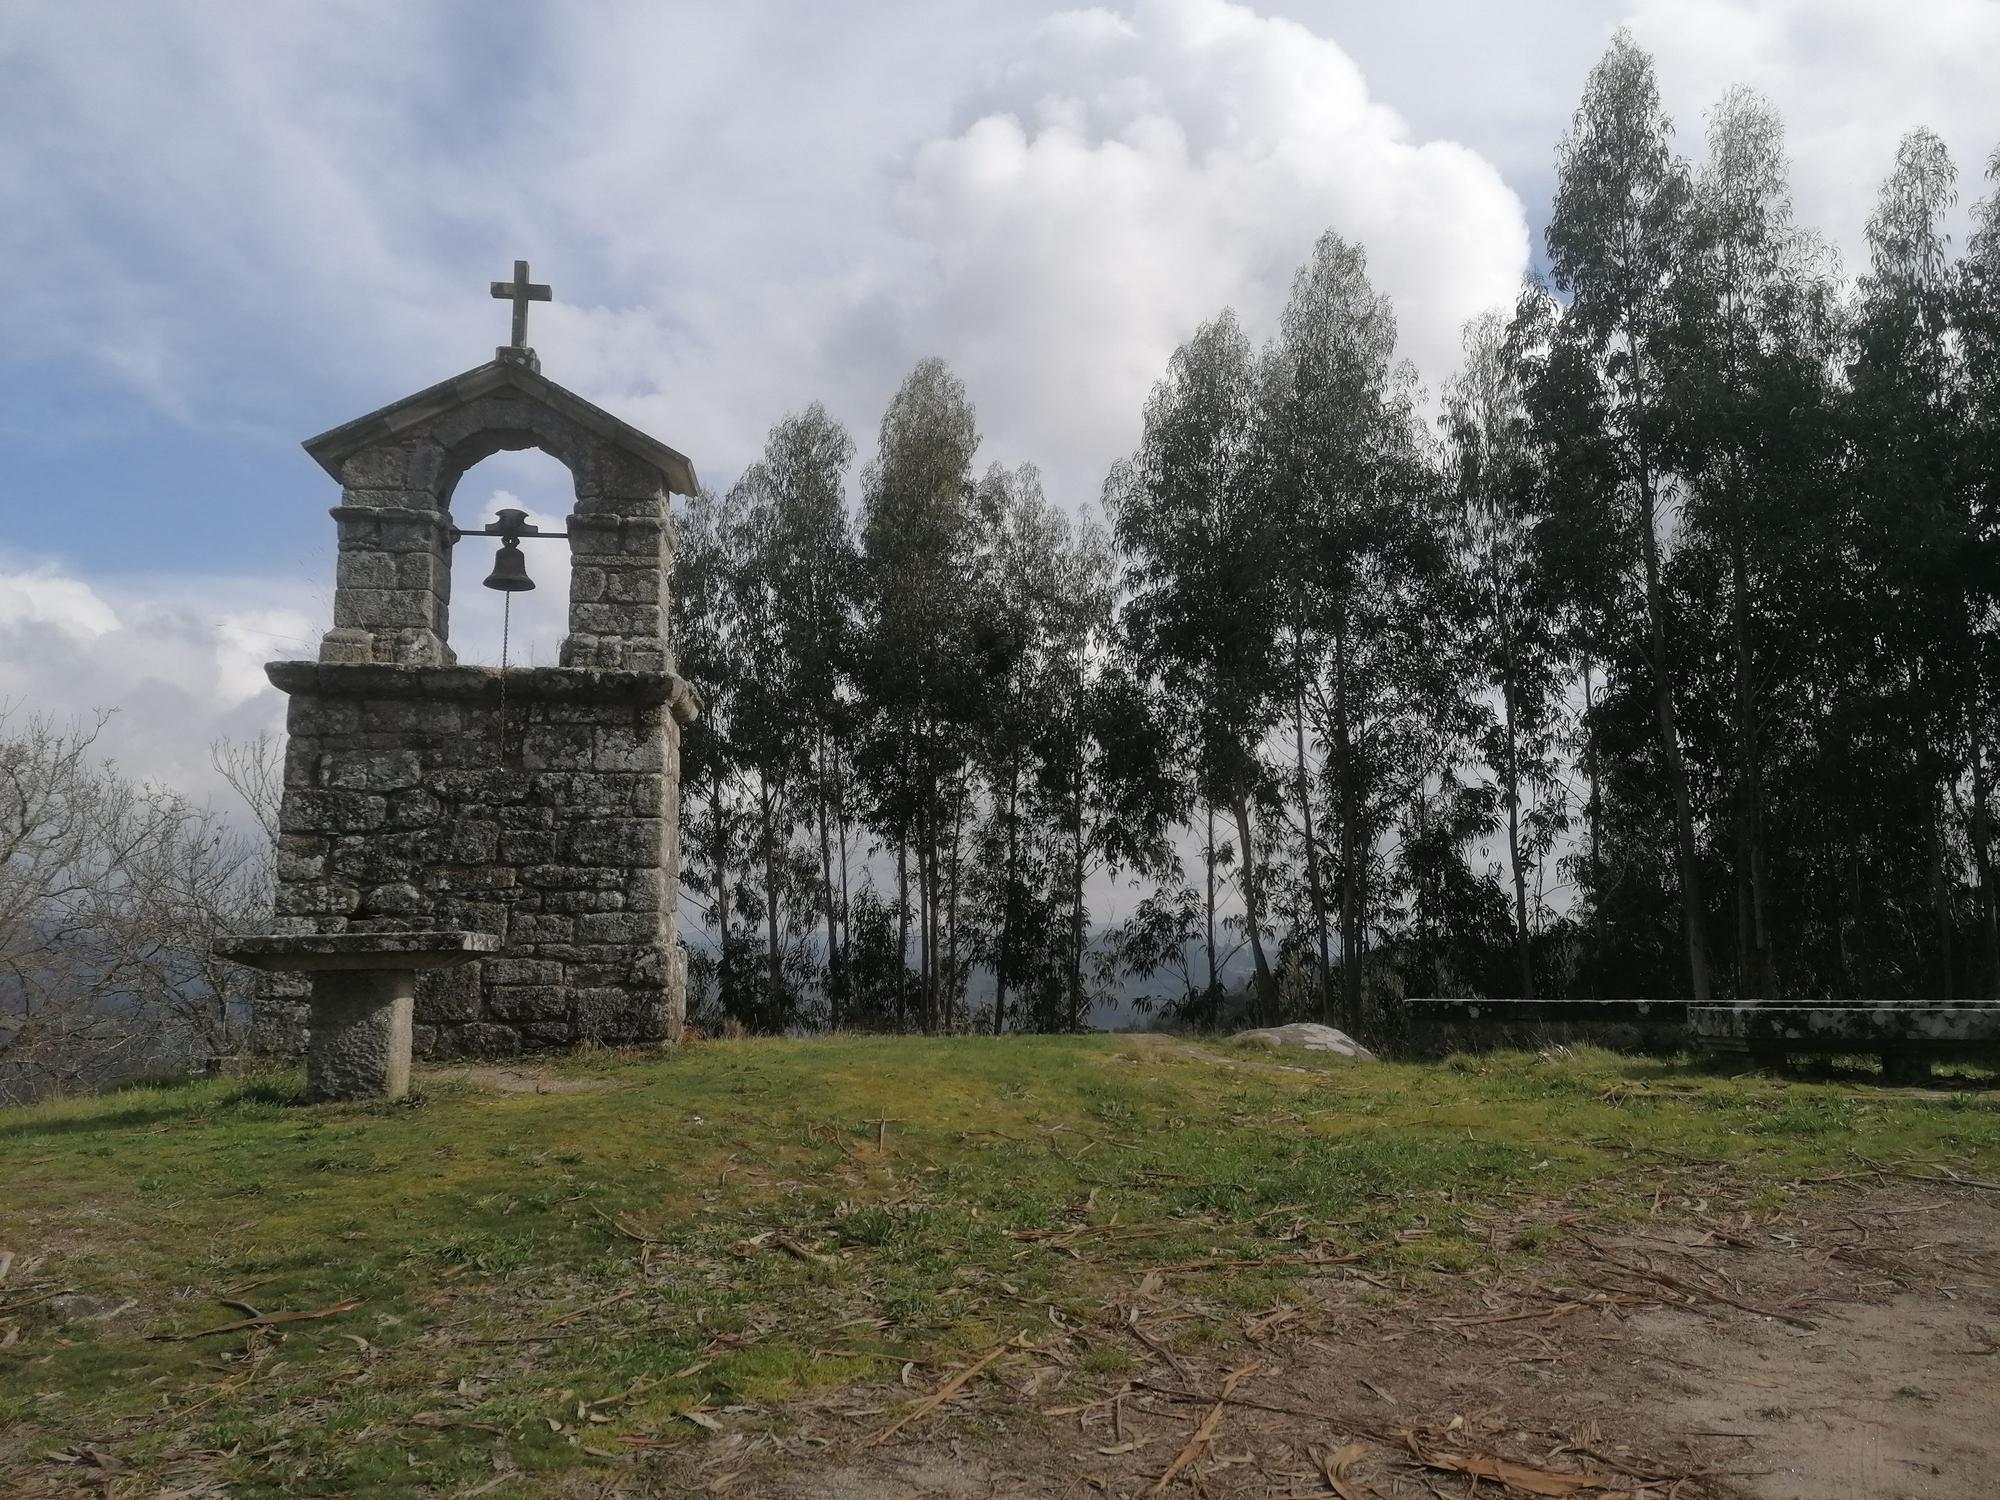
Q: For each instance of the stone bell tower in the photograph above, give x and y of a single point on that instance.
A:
(538, 805)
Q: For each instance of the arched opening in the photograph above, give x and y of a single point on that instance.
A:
(529, 480)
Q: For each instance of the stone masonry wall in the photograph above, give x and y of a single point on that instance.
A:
(406, 807)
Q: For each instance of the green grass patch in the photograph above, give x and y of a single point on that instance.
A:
(542, 1275)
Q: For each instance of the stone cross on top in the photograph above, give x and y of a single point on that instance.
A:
(521, 291)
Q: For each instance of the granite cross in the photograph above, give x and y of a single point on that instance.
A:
(521, 291)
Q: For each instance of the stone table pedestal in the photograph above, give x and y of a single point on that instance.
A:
(364, 988)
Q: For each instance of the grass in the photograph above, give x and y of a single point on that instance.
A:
(736, 1225)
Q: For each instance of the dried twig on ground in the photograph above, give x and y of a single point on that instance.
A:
(1180, 1267)
(1690, 1289)
(944, 1392)
(264, 1320)
(1131, 1325)
(61, 1291)
(1173, 1393)
(1204, 1432)
(590, 1307)
(1524, 1479)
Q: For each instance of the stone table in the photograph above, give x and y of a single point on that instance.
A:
(363, 997)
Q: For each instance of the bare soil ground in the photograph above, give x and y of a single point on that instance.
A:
(1844, 1347)
(522, 1080)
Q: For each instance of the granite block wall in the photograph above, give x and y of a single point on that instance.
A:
(415, 798)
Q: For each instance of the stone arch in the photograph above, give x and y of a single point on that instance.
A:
(536, 623)
(398, 469)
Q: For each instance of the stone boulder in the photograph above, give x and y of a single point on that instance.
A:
(1308, 1036)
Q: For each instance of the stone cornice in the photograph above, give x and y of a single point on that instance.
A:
(482, 684)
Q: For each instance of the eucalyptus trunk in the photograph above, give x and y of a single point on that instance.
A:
(822, 798)
(1594, 809)
(1315, 893)
(1350, 855)
(719, 831)
(1694, 921)
(1509, 692)
(1076, 871)
(1267, 989)
(1003, 960)
(902, 933)
(951, 986)
(1208, 860)
(1941, 883)
(774, 954)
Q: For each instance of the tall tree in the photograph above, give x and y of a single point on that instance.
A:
(1978, 320)
(1752, 405)
(1023, 535)
(918, 679)
(1915, 526)
(1491, 467)
(1359, 580)
(796, 596)
(708, 649)
(1100, 775)
(1616, 241)
(1191, 511)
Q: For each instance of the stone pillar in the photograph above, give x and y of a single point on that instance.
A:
(361, 1026)
(392, 592)
(618, 593)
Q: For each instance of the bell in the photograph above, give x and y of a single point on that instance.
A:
(510, 569)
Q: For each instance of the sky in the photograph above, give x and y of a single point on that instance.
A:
(230, 225)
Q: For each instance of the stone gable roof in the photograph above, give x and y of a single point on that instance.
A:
(414, 413)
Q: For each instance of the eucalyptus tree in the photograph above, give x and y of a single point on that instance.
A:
(708, 650)
(1325, 386)
(1363, 577)
(1978, 321)
(1616, 242)
(1191, 511)
(1023, 535)
(1103, 776)
(794, 600)
(917, 676)
(1917, 543)
(1753, 403)
(1579, 547)
(1491, 469)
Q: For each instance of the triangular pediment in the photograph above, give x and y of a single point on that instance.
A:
(421, 411)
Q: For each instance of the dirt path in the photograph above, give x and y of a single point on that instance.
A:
(1842, 1350)
(1894, 1399)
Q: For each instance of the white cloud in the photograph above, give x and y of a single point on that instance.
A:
(267, 219)
(1848, 77)
(1129, 175)
(747, 208)
(178, 659)
(46, 599)
(741, 210)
